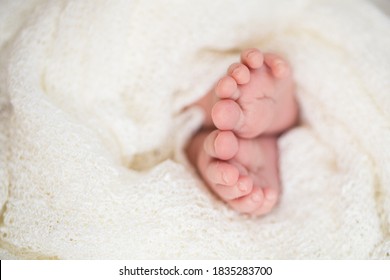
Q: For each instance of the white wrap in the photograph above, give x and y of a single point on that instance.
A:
(92, 129)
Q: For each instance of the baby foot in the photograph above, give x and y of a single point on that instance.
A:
(250, 93)
(242, 172)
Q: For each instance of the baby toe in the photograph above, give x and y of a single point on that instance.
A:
(249, 203)
(227, 88)
(223, 173)
(226, 114)
(225, 145)
(280, 68)
(239, 72)
(253, 58)
(221, 144)
(243, 187)
(271, 196)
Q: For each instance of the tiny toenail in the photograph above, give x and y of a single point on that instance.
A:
(225, 178)
(236, 70)
(242, 187)
(256, 197)
(252, 54)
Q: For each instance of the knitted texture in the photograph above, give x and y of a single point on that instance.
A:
(93, 126)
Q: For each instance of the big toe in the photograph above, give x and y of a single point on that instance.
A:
(221, 144)
(226, 114)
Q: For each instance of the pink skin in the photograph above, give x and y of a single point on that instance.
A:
(236, 152)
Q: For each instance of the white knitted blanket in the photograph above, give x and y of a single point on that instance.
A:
(92, 129)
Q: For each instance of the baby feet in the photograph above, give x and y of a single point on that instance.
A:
(238, 157)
